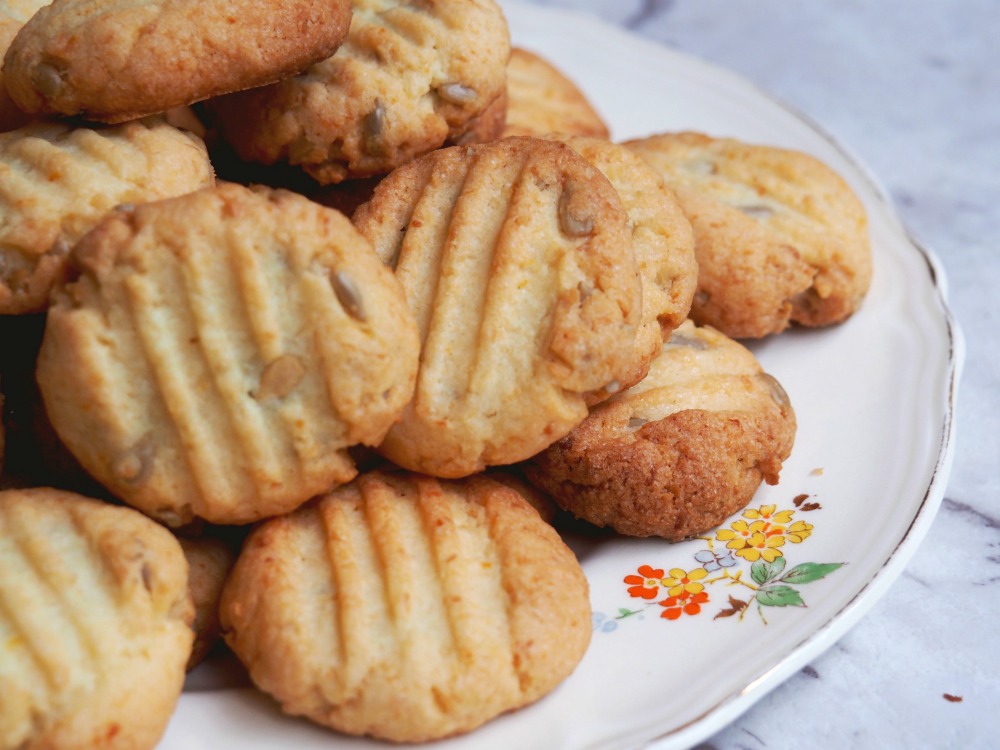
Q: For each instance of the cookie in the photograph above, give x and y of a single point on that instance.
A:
(94, 621)
(13, 15)
(218, 352)
(679, 452)
(407, 608)
(58, 181)
(516, 258)
(112, 61)
(209, 562)
(662, 240)
(780, 238)
(410, 76)
(542, 100)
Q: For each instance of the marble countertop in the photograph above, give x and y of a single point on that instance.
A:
(914, 90)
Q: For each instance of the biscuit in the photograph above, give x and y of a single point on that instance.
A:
(218, 352)
(407, 608)
(114, 60)
(517, 260)
(542, 100)
(13, 15)
(681, 451)
(410, 76)
(779, 237)
(209, 562)
(94, 621)
(58, 181)
(662, 240)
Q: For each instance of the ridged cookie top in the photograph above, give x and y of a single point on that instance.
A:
(58, 181)
(409, 75)
(116, 60)
(542, 100)
(407, 608)
(516, 258)
(94, 623)
(220, 351)
(780, 236)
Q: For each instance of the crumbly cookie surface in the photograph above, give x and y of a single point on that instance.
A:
(158, 54)
(780, 238)
(662, 241)
(407, 608)
(679, 452)
(516, 258)
(410, 76)
(13, 15)
(542, 100)
(219, 352)
(58, 181)
(94, 620)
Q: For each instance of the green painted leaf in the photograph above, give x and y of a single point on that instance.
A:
(762, 571)
(809, 572)
(779, 596)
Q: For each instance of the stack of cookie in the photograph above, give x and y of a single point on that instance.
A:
(327, 305)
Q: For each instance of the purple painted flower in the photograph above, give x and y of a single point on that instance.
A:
(712, 560)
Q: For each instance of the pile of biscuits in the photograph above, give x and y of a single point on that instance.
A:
(311, 317)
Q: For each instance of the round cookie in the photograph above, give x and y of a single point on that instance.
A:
(114, 60)
(94, 621)
(13, 15)
(407, 608)
(410, 76)
(661, 238)
(679, 452)
(58, 181)
(542, 100)
(217, 353)
(779, 237)
(516, 258)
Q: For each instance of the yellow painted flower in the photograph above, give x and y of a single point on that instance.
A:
(762, 545)
(798, 532)
(755, 541)
(681, 581)
(769, 513)
(739, 533)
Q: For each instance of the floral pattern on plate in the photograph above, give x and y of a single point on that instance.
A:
(748, 553)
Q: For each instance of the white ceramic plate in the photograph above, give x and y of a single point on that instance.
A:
(874, 399)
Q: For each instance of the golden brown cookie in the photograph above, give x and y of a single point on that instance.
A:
(681, 451)
(114, 60)
(542, 100)
(516, 257)
(94, 623)
(661, 238)
(410, 76)
(407, 608)
(58, 181)
(209, 562)
(13, 15)
(218, 352)
(780, 238)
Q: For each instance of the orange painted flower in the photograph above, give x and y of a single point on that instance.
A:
(684, 604)
(647, 584)
(681, 581)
